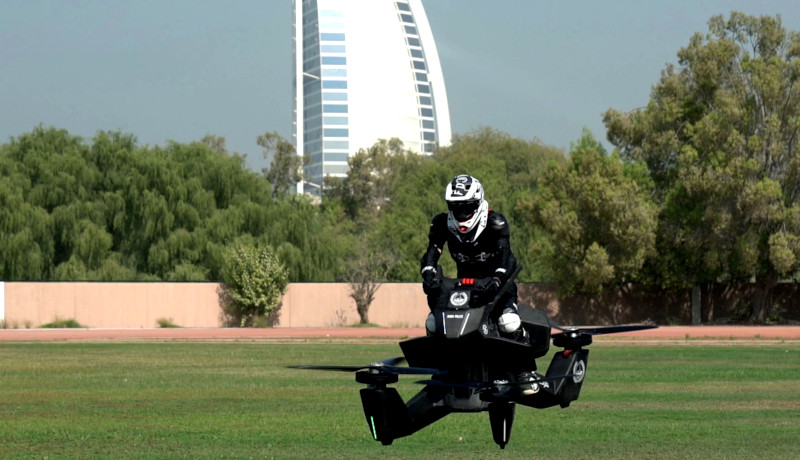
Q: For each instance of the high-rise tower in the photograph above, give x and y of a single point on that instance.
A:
(364, 70)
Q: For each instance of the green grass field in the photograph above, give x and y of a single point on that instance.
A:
(238, 400)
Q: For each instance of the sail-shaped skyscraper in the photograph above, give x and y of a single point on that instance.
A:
(364, 70)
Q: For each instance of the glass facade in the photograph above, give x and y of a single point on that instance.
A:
(360, 61)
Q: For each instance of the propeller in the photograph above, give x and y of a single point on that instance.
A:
(603, 329)
(387, 366)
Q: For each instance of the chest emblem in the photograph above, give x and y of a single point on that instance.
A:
(480, 257)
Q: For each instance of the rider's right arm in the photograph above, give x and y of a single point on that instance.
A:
(436, 241)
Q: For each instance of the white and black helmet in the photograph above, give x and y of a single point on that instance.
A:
(467, 207)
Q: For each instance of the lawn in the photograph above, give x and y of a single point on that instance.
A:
(238, 400)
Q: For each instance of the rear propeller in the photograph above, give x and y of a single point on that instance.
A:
(387, 366)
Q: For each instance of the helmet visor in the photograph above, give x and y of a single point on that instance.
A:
(463, 210)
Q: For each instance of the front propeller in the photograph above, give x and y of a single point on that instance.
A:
(602, 330)
(386, 366)
(574, 338)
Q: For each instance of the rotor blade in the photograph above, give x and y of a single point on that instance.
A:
(615, 329)
(604, 329)
(324, 367)
(379, 366)
(329, 368)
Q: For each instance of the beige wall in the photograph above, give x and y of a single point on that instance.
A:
(112, 305)
(140, 305)
(330, 305)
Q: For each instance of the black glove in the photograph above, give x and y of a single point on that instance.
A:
(430, 282)
(488, 285)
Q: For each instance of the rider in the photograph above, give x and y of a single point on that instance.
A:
(478, 241)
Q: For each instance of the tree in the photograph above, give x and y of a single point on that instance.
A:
(365, 273)
(366, 190)
(152, 213)
(311, 240)
(394, 205)
(405, 222)
(719, 137)
(254, 281)
(215, 143)
(26, 241)
(599, 221)
(286, 168)
(509, 169)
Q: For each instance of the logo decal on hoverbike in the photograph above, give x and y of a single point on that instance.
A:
(579, 371)
(459, 298)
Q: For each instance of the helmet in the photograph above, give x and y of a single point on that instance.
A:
(467, 208)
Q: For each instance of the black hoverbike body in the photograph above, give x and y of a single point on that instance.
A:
(473, 367)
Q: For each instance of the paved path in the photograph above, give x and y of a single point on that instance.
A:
(303, 334)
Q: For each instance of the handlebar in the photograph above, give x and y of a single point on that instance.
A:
(446, 285)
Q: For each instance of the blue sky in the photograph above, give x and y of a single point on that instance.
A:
(181, 69)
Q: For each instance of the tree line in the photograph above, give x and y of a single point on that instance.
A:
(702, 186)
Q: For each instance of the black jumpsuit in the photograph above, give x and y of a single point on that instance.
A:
(488, 256)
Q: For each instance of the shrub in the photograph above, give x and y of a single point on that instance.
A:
(165, 322)
(254, 282)
(65, 323)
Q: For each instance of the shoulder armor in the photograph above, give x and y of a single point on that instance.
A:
(498, 223)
